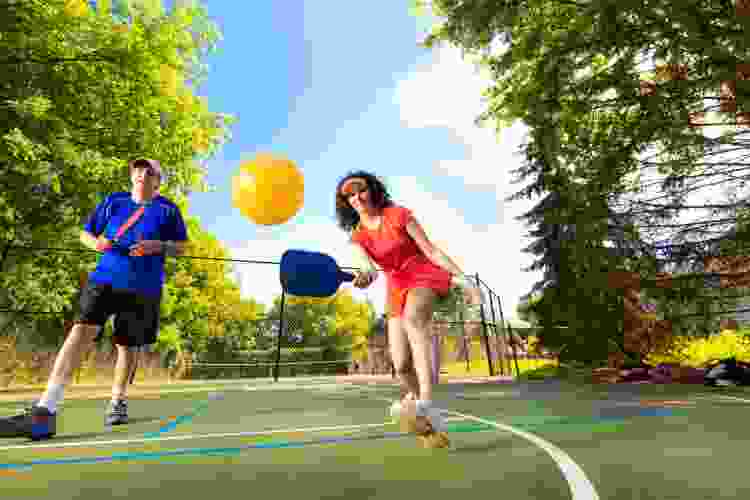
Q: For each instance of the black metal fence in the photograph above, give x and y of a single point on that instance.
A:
(38, 301)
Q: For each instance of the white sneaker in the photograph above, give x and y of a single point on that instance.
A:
(434, 415)
(436, 419)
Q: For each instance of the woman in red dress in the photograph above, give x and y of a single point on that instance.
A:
(418, 273)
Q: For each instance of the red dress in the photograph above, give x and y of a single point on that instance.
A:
(397, 254)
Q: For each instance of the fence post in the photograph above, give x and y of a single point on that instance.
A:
(500, 357)
(435, 357)
(512, 343)
(278, 343)
(466, 341)
(484, 333)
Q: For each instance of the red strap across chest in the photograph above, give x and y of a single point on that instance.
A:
(131, 220)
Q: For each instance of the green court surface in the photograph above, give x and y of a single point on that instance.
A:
(295, 439)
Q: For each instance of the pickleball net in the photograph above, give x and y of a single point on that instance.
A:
(197, 370)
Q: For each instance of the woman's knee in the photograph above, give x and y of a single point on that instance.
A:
(404, 367)
(399, 345)
(416, 324)
(418, 310)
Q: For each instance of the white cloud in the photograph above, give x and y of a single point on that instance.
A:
(494, 252)
(448, 94)
(445, 94)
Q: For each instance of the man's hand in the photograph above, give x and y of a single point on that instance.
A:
(103, 244)
(363, 279)
(145, 247)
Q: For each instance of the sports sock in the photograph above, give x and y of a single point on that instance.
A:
(53, 397)
(423, 406)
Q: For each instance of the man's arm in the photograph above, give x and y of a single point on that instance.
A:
(99, 244)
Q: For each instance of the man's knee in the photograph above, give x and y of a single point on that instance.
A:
(83, 333)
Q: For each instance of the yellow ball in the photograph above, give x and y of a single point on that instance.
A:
(268, 190)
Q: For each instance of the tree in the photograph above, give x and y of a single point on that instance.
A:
(337, 324)
(202, 303)
(525, 309)
(570, 71)
(80, 98)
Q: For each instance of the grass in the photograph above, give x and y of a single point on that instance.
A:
(479, 367)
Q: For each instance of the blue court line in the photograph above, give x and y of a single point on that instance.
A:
(177, 421)
(25, 466)
(195, 451)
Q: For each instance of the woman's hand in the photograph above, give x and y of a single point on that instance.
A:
(363, 279)
(472, 295)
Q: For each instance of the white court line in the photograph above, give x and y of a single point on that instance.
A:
(293, 387)
(734, 398)
(204, 388)
(580, 486)
(78, 444)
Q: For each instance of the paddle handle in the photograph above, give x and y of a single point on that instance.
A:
(344, 276)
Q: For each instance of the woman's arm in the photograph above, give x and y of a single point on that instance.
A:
(362, 258)
(436, 255)
(441, 259)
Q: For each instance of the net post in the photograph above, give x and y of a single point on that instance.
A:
(278, 341)
(484, 333)
(6, 250)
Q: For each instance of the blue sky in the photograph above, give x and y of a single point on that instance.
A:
(337, 86)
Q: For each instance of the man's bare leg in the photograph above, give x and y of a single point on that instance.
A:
(67, 360)
(124, 367)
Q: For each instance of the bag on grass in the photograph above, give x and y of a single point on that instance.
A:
(727, 372)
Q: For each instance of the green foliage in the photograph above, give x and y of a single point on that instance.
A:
(525, 309)
(570, 72)
(339, 324)
(201, 300)
(79, 98)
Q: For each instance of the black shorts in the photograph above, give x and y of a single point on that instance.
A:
(136, 316)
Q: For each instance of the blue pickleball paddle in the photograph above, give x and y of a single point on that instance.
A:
(311, 274)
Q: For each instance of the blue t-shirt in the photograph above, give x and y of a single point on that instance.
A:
(161, 220)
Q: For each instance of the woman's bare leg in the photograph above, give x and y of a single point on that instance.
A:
(402, 359)
(417, 322)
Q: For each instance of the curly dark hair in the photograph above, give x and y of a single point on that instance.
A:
(348, 218)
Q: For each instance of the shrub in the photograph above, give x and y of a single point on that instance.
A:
(697, 352)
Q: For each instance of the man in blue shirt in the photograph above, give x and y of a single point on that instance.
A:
(134, 232)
